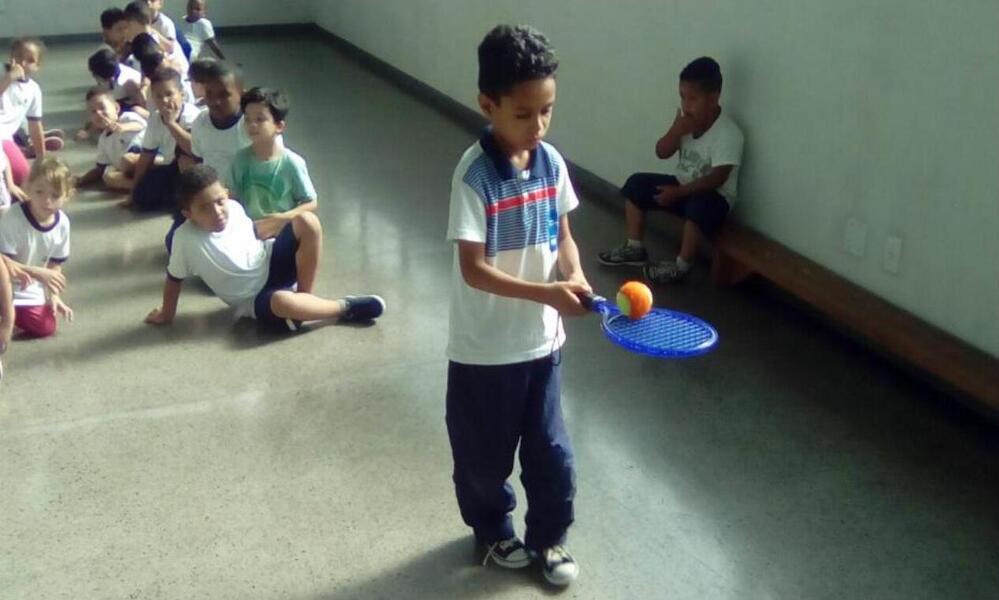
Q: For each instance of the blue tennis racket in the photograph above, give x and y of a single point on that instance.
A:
(661, 333)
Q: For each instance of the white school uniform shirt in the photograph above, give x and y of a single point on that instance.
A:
(125, 74)
(21, 100)
(233, 262)
(164, 25)
(217, 147)
(111, 147)
(719, 146)
(159, 139)
(515, 214)
(197, 34)
(27, 242)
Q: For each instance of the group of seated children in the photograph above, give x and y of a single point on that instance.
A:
(173, 137)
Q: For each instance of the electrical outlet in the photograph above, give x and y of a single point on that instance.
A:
(893, 254)
(855, 238)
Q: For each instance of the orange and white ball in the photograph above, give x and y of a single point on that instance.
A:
(634, 299)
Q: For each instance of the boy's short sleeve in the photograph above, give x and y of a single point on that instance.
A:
(177, 268)
(34, 112)
(8, 241)
(196, 149)
(207, 31)
(567, 198)
(728, 149)
(301, 186)
(60, 250)
(467, 220)
(154, 133)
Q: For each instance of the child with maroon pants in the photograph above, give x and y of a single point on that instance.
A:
(34, 237)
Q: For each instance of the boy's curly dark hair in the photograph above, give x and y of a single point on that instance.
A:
(511, 55)
(705, 72)
(192, 182)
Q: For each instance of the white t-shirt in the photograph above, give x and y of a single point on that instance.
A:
(233, 262)
(164, 25)
(516, 215)
(21, 100)
(27, 242)
(158, 137)
(197, 34)
(217, 147)
(5, 198)
(719, 146)
(119, 85)
(112, 146)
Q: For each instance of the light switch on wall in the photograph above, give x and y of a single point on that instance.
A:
(892, 254)
(855, 238)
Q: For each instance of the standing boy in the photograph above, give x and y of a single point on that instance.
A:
(510, 199)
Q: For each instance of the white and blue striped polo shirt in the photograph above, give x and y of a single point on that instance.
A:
(516, 215)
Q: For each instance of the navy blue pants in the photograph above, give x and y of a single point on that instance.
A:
(490, 409)
(707, 210)
(158, 188)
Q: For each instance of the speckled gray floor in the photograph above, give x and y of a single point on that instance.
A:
(206, 461)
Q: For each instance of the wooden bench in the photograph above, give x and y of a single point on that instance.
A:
(740, 252)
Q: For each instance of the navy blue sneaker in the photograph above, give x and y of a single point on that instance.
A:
(362, 308)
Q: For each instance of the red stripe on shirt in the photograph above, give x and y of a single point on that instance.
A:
(515, 201)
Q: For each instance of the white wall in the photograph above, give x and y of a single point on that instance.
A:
(885, 111)
(58, 17)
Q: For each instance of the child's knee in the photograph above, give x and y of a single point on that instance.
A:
(307, 225)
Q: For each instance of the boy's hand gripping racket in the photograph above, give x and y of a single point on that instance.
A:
(661, 333)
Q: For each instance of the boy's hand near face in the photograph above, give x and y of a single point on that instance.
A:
(15, 72)
(682, 124)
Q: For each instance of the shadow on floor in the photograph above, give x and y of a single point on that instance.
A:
(452, 570)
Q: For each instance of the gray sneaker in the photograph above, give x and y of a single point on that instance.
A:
(665, 272)
(623, 255)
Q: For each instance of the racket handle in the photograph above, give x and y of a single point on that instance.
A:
(591, 301)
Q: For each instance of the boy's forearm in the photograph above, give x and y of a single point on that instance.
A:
(180, 135)
(37, 137)
(131, 127)
(487, 278)
(171, 295)
(215, 48)
(568, 259)
(668, 144)
(711, 181)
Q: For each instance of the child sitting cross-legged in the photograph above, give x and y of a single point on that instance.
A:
(269, 280)
(118, 146)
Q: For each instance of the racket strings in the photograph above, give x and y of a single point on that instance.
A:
(662, 332)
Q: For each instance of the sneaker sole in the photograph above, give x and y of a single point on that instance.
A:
(626, 263)
(559, 583)
(510, 564)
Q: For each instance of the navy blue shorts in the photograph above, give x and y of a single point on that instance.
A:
(283, 275)
(707, 210)
(158, 188)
